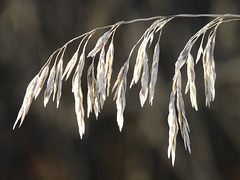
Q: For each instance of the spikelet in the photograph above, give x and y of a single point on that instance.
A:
(139, 63)
(55, 84)
(50, 84)
(200, 49)
(41, 80)
(120, 103)
(119, 77)
(120, 85)
(101, 77)
(154, 72)
(78, 96)
(191, 82)
(109, 63)
(70, 65)
(90, 94)
(182, 120)
(96, 105)
(209, 68)
(173, 128)
(93, 95)
(58, 81)
(27, 101)
(78, 71)
(144, 80)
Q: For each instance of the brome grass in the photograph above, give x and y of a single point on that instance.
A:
(98, 84)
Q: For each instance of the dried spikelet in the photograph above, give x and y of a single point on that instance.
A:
(101, 77)
(174, 85)
(206, 80)
(144, 81)
(212, 66)
(109, 63)
(78, 96)
(27, 101)
(81, 63)
(120, 103)
(79, 111)
(119, 77)
(209, 68)
(120, 85)
(93, 95)
(50, 84)
(96, 105)
(41, 80)
(139, 63)
(182, 120)
(172, 118)
(213, 79)
(70, 65)
(191, 82)
(78, 71)
(100, 43)
(173, 128)
(200, 49)
(90, 94)
(59, 80)
(154, 72)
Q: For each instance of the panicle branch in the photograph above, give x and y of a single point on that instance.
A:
(98, 85)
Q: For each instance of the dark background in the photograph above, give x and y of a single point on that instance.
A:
(48, 146)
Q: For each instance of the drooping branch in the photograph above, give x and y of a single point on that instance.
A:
(98, 84)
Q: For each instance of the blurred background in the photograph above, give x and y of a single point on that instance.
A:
(48, 146)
